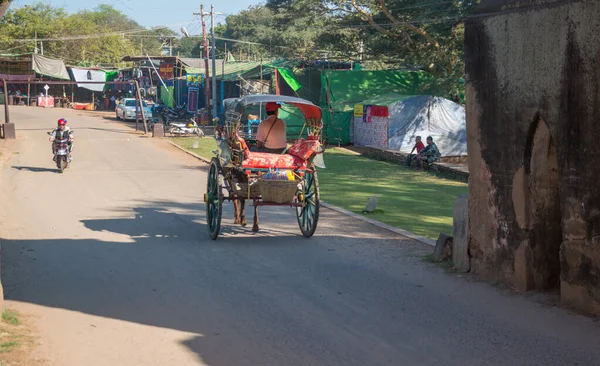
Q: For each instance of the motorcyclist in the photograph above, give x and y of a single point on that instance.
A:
(60, 132)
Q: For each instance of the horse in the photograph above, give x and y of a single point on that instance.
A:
(239, 204)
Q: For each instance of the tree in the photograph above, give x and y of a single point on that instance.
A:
(4, 4)
(29, 22)
(101, 36)
(419, 33)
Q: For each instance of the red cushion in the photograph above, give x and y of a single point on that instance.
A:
(266, 161)
(304, 149)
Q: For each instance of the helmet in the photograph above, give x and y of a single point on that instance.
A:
(62, 122)
(272, 106)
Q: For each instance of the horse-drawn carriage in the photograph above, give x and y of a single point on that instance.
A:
(288, 179)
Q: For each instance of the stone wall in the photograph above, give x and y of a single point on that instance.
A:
(400, 158)
(533, 124)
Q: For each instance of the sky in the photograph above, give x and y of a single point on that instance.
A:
(150, 13)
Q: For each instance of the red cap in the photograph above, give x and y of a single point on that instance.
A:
(272, 106)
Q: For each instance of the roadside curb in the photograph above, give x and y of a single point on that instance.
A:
(380, 224)
(207, 161)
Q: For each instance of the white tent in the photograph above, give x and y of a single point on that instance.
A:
(83, 74)
(393, 121)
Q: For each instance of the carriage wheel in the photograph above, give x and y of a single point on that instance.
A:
(308, 214)
(214, 200)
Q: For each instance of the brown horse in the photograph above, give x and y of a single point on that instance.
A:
(239, 204)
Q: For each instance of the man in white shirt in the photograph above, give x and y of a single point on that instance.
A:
(271, 136)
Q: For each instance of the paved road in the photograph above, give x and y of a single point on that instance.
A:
(112, 262)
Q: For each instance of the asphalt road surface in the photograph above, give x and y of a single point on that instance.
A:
(112, 263)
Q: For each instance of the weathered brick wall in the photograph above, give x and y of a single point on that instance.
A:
(533, 112)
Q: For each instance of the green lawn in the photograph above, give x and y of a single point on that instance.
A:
(415, 201)
(205, 147)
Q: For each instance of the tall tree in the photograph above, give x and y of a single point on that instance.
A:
(4, 4)
(101, 36)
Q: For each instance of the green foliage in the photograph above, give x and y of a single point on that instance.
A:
(383, 34)
(67, 34)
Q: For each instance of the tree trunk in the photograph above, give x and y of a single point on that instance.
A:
(4, 4)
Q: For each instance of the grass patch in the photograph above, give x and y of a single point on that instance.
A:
(16, 340)
(415, 201)
(8, 346)
(203, 146)
(10, 317)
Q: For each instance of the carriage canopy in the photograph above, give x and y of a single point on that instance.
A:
(242, 104)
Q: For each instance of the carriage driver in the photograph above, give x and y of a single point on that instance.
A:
(271, 136)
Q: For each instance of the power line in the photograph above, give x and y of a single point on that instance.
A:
(433, 4)
(99, 35)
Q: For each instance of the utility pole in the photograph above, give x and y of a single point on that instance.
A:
(214, 62)
(206, 87)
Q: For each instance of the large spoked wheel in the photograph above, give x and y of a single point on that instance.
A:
(214, 199)
(308, 214)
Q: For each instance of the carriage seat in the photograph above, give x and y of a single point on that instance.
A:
(261, 160)
(296, 157)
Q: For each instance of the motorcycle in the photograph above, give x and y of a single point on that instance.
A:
(191, 127)
(62, 156)
(177, 113)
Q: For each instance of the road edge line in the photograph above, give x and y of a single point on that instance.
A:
(377, 223)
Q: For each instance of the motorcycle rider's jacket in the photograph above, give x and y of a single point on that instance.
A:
(59, 134)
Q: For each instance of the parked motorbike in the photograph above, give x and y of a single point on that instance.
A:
(177, 113)
(62, 156)
(97, 104)
(185, 129)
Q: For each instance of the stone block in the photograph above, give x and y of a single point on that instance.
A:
(371, 204)
(443, 248)
(460, 242)
(8, 131)
(158, 130)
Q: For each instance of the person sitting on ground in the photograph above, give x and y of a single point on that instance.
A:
(430, 153)
(271, 135)
(418, 146)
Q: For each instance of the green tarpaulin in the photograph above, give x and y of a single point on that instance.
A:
(111, 75)
(288, 76)
(341, 90)
(165, 95)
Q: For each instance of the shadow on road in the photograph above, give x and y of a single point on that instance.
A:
(35, 169)
(162, 270)
(275, 298)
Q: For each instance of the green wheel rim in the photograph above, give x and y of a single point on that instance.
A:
(308, 214)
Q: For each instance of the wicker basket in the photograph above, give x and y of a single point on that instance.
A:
(278, 191)
(241, 190)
